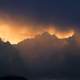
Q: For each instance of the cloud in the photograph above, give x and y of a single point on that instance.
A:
(16, 29)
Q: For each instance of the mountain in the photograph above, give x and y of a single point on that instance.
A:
(42, 42)
(46, 55)
(10, 61)
(40, 46)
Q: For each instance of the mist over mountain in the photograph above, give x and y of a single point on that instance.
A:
(46, 55)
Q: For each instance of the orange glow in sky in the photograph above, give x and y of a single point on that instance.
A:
(15, 33)
(62, 35)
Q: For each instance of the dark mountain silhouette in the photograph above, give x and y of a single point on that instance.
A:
(46, 55)
(10, 61)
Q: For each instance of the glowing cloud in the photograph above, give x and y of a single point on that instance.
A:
(16, 31)
(62, 35)
(13, 33)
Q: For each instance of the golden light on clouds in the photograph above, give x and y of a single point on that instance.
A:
(51, 31)
(62, 35)
(15, 32)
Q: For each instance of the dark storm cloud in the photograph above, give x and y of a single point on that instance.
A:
(59, 12)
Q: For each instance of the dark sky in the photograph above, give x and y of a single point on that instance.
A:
(60, 12)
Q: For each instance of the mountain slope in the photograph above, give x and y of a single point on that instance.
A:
(10, 60)
(49, 56)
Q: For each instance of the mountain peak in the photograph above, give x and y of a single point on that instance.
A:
(46, 36)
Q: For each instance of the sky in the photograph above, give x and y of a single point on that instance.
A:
(22, 19)
(26, 18)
